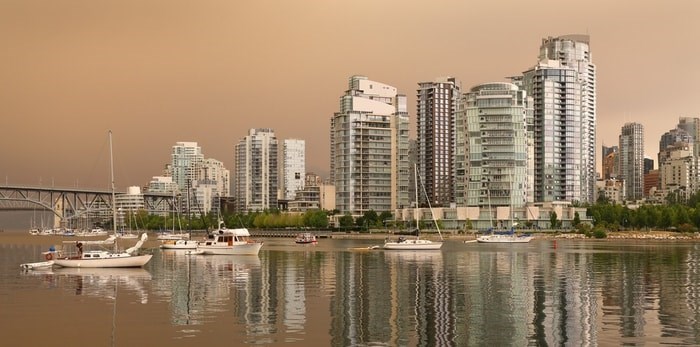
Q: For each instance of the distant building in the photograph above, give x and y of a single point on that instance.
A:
(128, 205)
(632, 160)
(669, 140)
(162, 185)
(611, 167)
(676, 172)
(613, 189)
(255, 187)
(186, 161)
(293, 167)
(315, 195)
(651, 180)
(213, 172)
(648, 164)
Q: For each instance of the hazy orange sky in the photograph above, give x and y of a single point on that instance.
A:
(158, 72)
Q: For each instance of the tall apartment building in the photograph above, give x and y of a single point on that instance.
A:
(186, 161)
(563, 85)
(632, 160)
(574, 51)
(676, 172)
(494, 147)
(436, 104)
(668, 142)
(213, 172)
(369, 148)
(293, 167)
(255, 186)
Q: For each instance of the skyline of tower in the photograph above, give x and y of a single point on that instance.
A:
(574, 51)
(632, 160)
(436, 104)
(293, 167)
(255, 186)
(493, 147)
(369, 148)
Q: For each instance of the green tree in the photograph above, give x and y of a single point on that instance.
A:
(346, 221)
(553, 222)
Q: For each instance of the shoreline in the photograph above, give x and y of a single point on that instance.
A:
(24, 238)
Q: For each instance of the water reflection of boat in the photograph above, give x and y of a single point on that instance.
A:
(419, 257)
(103, 282)
(140, 273)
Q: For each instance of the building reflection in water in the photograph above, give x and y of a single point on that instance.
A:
(577, 293)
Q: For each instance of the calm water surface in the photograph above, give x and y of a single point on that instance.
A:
(564, 292)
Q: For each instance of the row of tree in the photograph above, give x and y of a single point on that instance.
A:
(612, 217)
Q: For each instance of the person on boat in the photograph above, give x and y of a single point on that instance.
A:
(80, 248)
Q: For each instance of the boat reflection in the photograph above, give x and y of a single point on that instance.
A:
(99, 282)
(197, 287)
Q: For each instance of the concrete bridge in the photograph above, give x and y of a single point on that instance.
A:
(72, 202)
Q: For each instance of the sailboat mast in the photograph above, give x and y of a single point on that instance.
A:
(415, 186)
(111, 174)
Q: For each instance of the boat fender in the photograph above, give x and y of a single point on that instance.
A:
(48, 256)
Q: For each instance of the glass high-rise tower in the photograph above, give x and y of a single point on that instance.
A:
(632, 160)
(563, 85)
(494, 146)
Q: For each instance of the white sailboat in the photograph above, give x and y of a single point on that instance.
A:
(181, 241)
(504, 237)
(103, 258)
(416, 244)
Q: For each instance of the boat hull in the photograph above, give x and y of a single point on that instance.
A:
(133, 261)
(503, 239)
(412, 245)
(180, 244)
(243, 248)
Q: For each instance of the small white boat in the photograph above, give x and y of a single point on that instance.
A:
(411, 244)
(37, 265)
(229, 242)
(305, 238)
(504, 238)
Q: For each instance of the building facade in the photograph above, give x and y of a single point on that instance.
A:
(494, 147)
(369, 148)
(213, 172)
(574, 51)
(186, 161)
(632, 160)
(563, 85)
(610, 165)
(255, 186)
(293, 167)
(436, 104)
